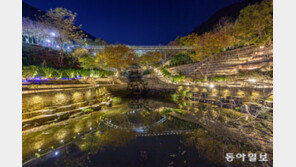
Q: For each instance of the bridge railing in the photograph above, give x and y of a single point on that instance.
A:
(148, 47)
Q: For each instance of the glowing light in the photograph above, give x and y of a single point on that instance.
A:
(56, 153)
(211, 85)
(60, 99)
(39, 149)
(214, 92)
(241, 93)
(252, 80)
(48, 40)
(195, 89)
(53, 34)
(62, 141)
(77, 97)
(226, 92)
(90, 128)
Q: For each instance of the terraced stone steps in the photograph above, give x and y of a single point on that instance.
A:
(61, 115)
(229, 62)
(54, 109)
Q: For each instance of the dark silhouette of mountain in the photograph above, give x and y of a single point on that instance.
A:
(231, 12)
(34, 13)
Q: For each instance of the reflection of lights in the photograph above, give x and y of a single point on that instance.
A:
(226, 92)
(39, 149)
(252, 80)
(62, 141)
(255, 94)
(56, 153)
(214, 92)
(195, 89)
(211, 85)
(61, 134)
(90, 128)
(241, 93)
(48, 40)
(88, 95)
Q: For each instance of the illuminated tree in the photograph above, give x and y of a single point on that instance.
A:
(79, 52)
(255, 23)
(63, 21)
(118, 57)
(150, 58)
(34, 29)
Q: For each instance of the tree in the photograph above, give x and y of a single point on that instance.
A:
(63, 21)
(255, 24)
(118, 57)
(80, 52)
(150, 58)
(34, 29)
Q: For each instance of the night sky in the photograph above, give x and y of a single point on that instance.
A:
(137, 22)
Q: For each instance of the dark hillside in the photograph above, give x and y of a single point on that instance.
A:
(231, 11)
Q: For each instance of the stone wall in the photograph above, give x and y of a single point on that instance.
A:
(229, 63)
(157, 87)
(42, 106)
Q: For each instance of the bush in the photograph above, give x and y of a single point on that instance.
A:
(180, 59)
(48, 72)
(165, 72)
(146, 72)
(116, 100)
(55, 74)
(175, 78)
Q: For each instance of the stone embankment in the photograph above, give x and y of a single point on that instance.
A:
(52, 101)
(229, 63)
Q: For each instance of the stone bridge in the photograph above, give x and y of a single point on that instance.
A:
(140, 50)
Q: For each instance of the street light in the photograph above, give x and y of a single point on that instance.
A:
(252, 80)
(211, 86)
(53, 34)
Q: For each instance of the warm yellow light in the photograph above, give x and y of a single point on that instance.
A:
(255, 94)
(37, 145)
(60, 99)
(61, 134)
(180, 88)
(214, 92)
(226, 92)
(36, 102)
(241, 93)
(188, 89)
(195, 89)
(204, 90)
(77, 97)
(88, 95)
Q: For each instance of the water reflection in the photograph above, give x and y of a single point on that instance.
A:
(142, 132)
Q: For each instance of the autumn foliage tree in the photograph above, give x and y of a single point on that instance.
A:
(150, 58)
(63, 21)
(34, 29)
(255, 24)
(118, 57)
